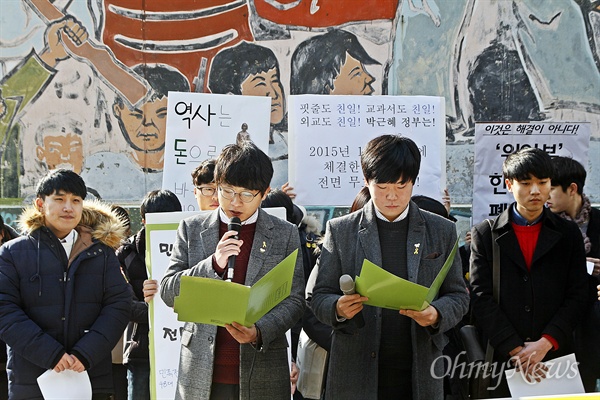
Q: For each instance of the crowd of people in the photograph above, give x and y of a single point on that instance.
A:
(74, 288)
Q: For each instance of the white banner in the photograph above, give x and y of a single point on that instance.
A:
(495, 141)
(328, 133)
(199, 125)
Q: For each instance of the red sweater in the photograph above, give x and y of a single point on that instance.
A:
(227, 350)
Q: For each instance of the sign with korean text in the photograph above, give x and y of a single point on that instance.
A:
(199, 125)
(496, 141)
(328, 133)
(165, 330)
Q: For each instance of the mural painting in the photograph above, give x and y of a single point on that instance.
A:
(84, 84)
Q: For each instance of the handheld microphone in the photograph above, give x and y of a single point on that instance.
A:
(234, 225)
(347, 287)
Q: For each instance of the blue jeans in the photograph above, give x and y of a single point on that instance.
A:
(138, 379)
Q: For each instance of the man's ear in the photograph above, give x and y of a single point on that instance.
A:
(508, 183)
(572, 188)
(39, 203)
(264, 196)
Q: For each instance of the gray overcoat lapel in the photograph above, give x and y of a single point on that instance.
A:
(368, 237)
(260, 247)
(210, 233)
(415, 243)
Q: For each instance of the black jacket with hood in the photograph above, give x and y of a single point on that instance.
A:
(50, 305)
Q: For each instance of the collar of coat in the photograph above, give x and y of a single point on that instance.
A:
(96, 218)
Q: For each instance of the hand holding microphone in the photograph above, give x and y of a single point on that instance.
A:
(350, 305)
(229, 246)
(234, 225)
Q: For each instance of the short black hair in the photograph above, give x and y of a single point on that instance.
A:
(567, 171)
(159, 201)
(204, 173)
(317, 61)
(233, 65)
(122, 214)
(61, 179)
(278, 198)
(432, 205)
(527, 162)
(389, 158)
(244, 166)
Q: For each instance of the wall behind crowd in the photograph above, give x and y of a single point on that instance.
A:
(95, 101)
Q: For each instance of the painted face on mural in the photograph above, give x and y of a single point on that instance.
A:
(62, 151)
(144, 128)
(352, 79)
(267, 84)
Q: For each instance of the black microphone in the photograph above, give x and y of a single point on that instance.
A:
(347, 287)
(234, 225)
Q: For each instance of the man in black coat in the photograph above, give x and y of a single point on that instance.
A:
(543, 280)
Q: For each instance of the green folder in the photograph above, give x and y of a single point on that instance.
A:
(386, 290)
(217, 302)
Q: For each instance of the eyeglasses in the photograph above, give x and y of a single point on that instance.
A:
(245, 197)
(206, 190)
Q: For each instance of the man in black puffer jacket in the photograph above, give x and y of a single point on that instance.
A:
(63, 300)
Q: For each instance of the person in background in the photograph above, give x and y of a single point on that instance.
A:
(236, 361)
(205, 188)
(294, 215)
(7, 233)
(119, 371)
(392, 355)
(132, 256)
(568, 201)
(543, 288)
(123, 215)
(55, 268)
(362, 197)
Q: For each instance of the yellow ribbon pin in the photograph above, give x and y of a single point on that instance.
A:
(417, 248)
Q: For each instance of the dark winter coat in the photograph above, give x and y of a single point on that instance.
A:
(549, 298)
(50, 306)
(132, 256)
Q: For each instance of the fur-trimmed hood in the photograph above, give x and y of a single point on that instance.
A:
(97, 216)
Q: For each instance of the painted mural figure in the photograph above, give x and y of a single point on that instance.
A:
(332, 63)
(21, 87)
(60, 146)
(252, 70)
(144, 127)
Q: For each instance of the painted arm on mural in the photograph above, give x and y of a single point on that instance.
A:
(57, 35)
(28, 79)
(97, 55)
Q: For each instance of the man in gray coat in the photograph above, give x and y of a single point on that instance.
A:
(235, 361)
(393, 354)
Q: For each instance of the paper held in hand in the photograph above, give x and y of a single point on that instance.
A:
(217, 302)
(386, 290)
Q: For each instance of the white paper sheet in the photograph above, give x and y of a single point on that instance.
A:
(562, 378)
(66, 385)
(590, 267)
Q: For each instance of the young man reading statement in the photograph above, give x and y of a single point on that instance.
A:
(393, 356)
(236, 362)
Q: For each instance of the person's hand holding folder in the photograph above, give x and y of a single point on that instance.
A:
(429, 316)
